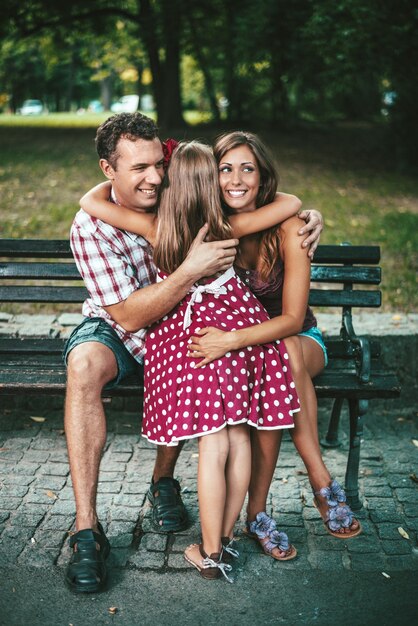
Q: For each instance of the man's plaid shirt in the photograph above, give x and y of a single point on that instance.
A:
(113, 264)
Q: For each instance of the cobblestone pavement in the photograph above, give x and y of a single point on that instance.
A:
(37, 507)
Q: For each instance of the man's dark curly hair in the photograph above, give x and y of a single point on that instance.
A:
(131, 126)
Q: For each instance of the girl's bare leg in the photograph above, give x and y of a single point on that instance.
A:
(211, 485)
(237, 474)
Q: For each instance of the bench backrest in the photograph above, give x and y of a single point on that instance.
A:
(336, 273)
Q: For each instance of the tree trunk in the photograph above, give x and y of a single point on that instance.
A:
(165, 74)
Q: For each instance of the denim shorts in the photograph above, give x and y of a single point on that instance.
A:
(97, 329)
(315, 334)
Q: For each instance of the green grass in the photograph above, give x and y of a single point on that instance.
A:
(48, 162)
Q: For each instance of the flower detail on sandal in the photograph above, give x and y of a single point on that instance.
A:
(339, 514)
(264, 529)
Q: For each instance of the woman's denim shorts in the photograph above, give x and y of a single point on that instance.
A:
(315, 334)
(97, 329)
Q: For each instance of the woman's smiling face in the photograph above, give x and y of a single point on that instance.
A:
(239, 179)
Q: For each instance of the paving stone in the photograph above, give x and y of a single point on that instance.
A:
(135, 488)
(407, 495)
(402, 562)
(154, 542)
(50, 483)
(129, 499)
(372, 563)
(11, 456)
(112, 487)
(37, 456)
(16, 479)
(40, 496)
(177, 561)
(37, 556)
(150, 560)
(378, 492)
(58, 522)
(112, 466)
(124, 513)
(396, 547)
(49, 538)
(382, 515)
(116, 457)
(118, 557)
(327, 543)
(17, 491)
(9, 503)
(55, 469)
(26, 469)
(121, 541)
(180, 542)
(4, 515)
(326, 560)
(33, 508)
(363, 544)
(119, 528)
(399, 481)
(108, 477)
(63, 507)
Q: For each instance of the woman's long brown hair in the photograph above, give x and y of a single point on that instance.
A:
(269, 249)
(189, 199)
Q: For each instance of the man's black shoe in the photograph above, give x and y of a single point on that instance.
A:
(86, 572)
(168, 511)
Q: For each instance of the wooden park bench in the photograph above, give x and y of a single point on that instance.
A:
(43, 271)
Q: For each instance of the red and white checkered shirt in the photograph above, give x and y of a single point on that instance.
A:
(113, 264)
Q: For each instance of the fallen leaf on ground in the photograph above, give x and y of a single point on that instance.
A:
(112, 610)
(413, 477)
(37, 419)
(33, 540)
(403, 533)
(284, 481)
(415, 442)
(4, 449)
(385, 575)
(302, 473)
(195, 455)
(51, 494)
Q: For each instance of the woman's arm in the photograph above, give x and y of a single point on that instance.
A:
(213, 343)
(96, 203)
(246, 223)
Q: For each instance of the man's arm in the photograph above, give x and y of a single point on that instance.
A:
(149, 304)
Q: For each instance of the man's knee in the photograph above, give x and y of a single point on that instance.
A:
(91, 365)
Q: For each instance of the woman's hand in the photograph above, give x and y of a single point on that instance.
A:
(210, 344)
(314, 226)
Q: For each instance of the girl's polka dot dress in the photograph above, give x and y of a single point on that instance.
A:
(252, 385)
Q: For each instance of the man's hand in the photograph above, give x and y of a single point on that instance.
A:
(314, 226)
(208, 258)
(210, 344)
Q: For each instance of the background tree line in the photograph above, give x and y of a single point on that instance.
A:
(270, 61)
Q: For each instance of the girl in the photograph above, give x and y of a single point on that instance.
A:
(249, 387)
(272, 264)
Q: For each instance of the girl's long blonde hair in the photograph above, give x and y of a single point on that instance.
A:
(269, 249)
(189, 199)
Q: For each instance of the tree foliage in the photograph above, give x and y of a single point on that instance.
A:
(269, 60)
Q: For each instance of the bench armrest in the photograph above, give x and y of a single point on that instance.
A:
(362, 347)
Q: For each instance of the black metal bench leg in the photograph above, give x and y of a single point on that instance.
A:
(357, 409)
(331, 438)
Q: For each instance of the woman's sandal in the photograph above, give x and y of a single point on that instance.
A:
(209, 567)
(264, 530)
(339, 514)
(229, 553)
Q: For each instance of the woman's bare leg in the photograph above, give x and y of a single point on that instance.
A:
(307, 360)
(265, 446)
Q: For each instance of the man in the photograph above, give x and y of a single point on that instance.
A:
(119, 274)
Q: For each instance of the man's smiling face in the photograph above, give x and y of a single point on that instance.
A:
(136, 173)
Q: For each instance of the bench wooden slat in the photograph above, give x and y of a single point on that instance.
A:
(43, 345)
(347, 254)
(60, 248)
(341, 297)
(346, 274)
(35, 248)
(343, 384)
(42, 271)
(29, 293)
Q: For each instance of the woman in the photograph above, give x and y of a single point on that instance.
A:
(277, 270)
